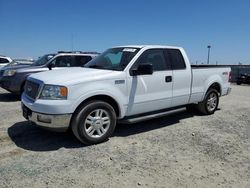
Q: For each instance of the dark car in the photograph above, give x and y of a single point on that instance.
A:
(243, 79)
(13, 76)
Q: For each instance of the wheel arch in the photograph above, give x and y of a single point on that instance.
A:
(216, 86)
(102, 97)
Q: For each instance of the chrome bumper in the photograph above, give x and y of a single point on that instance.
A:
(59, 123)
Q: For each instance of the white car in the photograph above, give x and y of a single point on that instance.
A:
(126, 83)
(4, 60)
(24, 61)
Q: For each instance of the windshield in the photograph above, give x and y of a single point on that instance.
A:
(43, 60)
(113, 59)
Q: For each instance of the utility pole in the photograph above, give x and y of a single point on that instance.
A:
(208, 55)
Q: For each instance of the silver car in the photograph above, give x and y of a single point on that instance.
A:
(13, 76)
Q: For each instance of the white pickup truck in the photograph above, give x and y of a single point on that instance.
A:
(126, 83)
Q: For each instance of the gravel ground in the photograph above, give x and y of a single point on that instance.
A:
(180, 150)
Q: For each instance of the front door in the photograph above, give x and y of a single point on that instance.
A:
(149, 93)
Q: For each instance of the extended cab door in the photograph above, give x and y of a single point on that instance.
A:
(149, 93)
(182, 76)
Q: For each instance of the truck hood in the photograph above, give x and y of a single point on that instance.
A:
(71, 76)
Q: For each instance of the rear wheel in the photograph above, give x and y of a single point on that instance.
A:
(94, 122)
(210, 103)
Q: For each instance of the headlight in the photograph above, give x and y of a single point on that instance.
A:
(9, 72)
(53, 92)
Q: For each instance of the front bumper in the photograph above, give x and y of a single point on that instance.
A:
(59, 123)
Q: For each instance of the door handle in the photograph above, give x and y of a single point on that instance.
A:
(168, 79)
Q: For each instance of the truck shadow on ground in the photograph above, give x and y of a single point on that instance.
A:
(123, 130)
(9, 97)
(36, 139)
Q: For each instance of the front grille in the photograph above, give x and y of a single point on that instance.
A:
(31, 89)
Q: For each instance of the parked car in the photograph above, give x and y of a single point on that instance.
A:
(4, 60)
(13, 77)
(127, 83)
(243, 79)
(15, 62)
(24, 61)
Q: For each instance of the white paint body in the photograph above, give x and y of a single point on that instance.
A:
(137, 95)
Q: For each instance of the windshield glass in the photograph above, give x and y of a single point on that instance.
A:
(43, 60)
(113, 59)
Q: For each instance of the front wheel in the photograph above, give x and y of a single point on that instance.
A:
(94, 122)
(210, 103)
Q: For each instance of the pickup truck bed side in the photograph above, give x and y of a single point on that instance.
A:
(203, 78)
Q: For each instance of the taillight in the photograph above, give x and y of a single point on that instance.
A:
(230, 77)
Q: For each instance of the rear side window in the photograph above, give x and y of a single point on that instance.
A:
(3, 60)
(155, 57)
(176, 59)
(81, 61)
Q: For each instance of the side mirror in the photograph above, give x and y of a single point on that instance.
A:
(143, 69)
(50, 66)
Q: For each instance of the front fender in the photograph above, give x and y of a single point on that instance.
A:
(81, 93)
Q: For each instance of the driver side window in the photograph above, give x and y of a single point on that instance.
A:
(155, 57)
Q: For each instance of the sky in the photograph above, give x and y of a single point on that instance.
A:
(29, 29)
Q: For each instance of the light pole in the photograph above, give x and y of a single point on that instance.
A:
(208, 55)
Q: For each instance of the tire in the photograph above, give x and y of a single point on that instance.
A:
(94, 122)
(210, 103)
(238, 83)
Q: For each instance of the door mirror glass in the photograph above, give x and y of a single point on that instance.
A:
(143, 69)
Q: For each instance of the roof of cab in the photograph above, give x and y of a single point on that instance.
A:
(148, 46)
